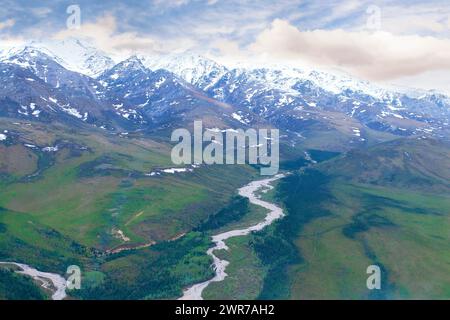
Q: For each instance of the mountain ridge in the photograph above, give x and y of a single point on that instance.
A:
(135, 93)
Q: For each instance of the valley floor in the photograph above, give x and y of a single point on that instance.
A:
(93, 203)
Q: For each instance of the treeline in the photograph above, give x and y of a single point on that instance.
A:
(301, 194)
(234, 211)
(165, 269)
(159, 272)
(18, 287)
(316, 155)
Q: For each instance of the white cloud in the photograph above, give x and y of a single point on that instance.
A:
(7, 24)
(416, 19)
(227, 48)
(430, 80)
(375, 56)
(103, 33)
(339, 10)
(163, 5)
(41, 12)
(8, 42)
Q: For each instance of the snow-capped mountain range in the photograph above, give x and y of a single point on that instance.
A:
(72, 54)
(44, 78)
(191, 67)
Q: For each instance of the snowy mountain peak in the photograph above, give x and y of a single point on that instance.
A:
(285, 78)
(129, 70)
(29, 57)
(191, 67)
(73, 54)
(133, 63)
(122, 69)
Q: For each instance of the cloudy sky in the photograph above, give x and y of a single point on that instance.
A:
(404, 42)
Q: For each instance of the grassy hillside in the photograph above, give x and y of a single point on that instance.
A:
(92, 198)
(388, 205)
(137, 236)
(422, 165)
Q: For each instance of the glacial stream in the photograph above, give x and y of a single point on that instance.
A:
(51, 281)
(249, 191)
(57, 284)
